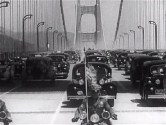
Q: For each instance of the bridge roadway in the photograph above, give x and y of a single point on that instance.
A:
(42, 103)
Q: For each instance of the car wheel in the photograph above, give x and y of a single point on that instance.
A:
(111, 102)
(144, 96)
(133, 81)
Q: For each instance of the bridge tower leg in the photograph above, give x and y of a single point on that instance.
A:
(89, 40)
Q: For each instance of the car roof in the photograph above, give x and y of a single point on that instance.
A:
(154, 62)
(144, 58)
(40, 58)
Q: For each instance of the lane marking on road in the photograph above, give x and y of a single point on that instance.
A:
(5, 93)
(58, 109)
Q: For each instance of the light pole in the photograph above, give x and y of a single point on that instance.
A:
(38, 25)
(55, 31)
(154, 23)
(128, 38)
(59, 34)
(62, 37)
(4, 4)
(132, 31)
(123, 41)
(143, 39)
(28, 16)
(47, 44)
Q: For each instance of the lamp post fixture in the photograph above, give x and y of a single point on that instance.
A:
(128, 38)
(123, 41)
(143, 39)
(47, 44)
(154, 23)
(54, 32)
(38, 25)
(4, 4)
(28, 16)
(59, 34)
(132, 31)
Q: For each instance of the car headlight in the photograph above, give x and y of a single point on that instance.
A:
(81, 82)
(82, 115)
(157, 81)
(149, 81)
(105, 115)
(94, 118)
(101, 81)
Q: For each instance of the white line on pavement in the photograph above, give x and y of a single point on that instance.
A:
(58, 109)
(9, 91)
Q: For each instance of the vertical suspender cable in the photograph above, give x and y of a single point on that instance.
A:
(12, 25)
(63, 20)
(119, 17)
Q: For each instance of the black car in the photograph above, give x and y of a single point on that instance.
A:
(6, 73)
(136, 68)
(153, 83)
(39, 69)
(121, 59)
(61, 65)
(76, 90)
(129, 59)
(18, 65)
(97, 58)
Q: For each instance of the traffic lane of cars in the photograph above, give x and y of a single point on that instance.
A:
(37, 103)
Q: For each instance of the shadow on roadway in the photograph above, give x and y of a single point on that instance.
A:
(125, 87)
(71, 104)
(44, 86)
(150, 103)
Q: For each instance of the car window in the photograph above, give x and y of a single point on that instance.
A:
(157, 69)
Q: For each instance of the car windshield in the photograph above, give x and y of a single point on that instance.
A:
(92, 69)
(57, 58)
(157, 69)
(97, 59)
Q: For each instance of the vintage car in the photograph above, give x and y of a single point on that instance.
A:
(73, 58)
(129, 59)
(114, 57)
(153, 83)
(6, 73)
(157, 54)
(97, 58)
(76, 89)
(121, 59)
(18, 65)
(61, 65)
(38, 69)
(136, 68)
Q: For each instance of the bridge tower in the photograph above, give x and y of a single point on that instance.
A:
(89, 40)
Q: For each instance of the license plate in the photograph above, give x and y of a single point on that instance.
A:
(160, 91)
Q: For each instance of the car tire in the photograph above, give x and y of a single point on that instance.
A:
(144, 95)
(133, 81)
(111, 102)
